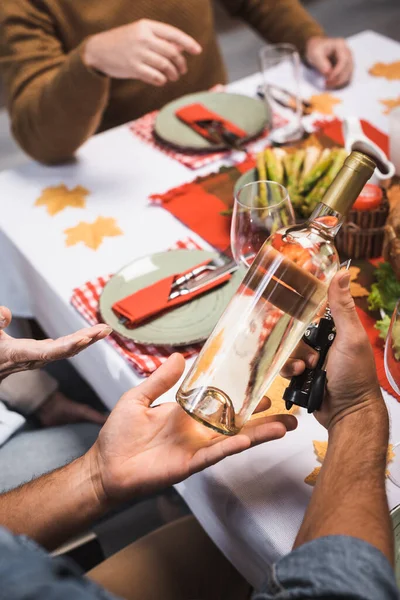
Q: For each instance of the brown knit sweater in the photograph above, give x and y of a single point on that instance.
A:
(56, 102)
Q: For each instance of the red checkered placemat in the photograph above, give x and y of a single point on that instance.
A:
(143, 128)
(143, 358)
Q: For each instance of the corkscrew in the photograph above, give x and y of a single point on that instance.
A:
(307, 390)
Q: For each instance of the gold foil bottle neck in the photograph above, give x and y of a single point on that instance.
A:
(349, 182)
(358, 161)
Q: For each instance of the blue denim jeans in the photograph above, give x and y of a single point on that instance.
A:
(32, 452)
(325, 569)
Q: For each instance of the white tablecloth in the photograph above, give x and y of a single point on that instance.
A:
(251, 504)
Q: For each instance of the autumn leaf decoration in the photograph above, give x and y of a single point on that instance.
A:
(389, 71)
(390, 104)
(356, 289)
(324, 103)
(59, 197)
(92, 234)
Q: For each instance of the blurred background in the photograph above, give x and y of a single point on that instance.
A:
(240, 45)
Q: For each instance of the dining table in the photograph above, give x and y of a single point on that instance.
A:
(251, 504)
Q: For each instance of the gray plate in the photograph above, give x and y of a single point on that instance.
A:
(249, 114)
(187, 324)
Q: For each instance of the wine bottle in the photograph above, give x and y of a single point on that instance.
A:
(282, 292)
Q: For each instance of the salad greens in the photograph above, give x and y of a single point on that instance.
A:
(386, 291)
(383, 326)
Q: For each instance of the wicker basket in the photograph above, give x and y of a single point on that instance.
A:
(361, 235)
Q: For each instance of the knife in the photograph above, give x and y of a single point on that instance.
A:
(196, 284)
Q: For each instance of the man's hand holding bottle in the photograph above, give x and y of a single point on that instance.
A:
(352, 382)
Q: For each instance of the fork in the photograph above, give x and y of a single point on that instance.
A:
(222, 135)
(215, 263)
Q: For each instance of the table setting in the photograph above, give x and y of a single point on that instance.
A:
(154, 226)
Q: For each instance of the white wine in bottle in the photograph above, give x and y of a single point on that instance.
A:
(283, 291)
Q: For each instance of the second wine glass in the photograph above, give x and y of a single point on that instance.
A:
(260, 209)
(392, 350)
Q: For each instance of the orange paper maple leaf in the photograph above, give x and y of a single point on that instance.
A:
(356, 289)
(388, 70)
(324, 103)
(92, 234)
(59, 197)
(390, 104)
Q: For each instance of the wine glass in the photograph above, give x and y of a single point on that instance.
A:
(260, 209)
(392, 351)
(280, 68)
(392, 369)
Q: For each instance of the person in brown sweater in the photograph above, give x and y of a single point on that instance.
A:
(72, 69)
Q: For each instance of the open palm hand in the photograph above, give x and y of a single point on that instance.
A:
(141, 449)
(23, 354)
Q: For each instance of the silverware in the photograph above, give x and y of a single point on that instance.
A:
(222, 135)
(215, 263)
(196, 284)
(285, 98)
(218, 267)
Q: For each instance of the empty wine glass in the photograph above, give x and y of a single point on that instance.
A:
(260, 209)
(392, 351)
(392, 369)
(280, 68)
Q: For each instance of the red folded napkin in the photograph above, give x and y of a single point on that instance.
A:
(192, 113)
(155, 299)
(143, 358)
(334, 129)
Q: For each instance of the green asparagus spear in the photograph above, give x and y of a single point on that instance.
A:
(317, 193)
(261, 168)
(284, 218)
(296, 198)
(274, 164)
(305, 211)
(288, 165)
(311, 157)
(227, 213)
(275, 170)
(262, 176)
(317, 171)
(298, 158)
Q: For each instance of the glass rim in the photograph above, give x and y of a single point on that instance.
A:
(270, 206)
(281, 46)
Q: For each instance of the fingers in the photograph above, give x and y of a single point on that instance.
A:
(72, 344)
(255, 432)
(160, 381)
(343, 307)
(318, 57)
(83, 412)
(339, 79)
(170, 52)
(5, 317)
(302, 357)
(45, 351)
(152, 76)
(95, 333)
(265, 429)
(343, 69)
(163, 65)
(60, 410)
(176, 36)
(292, 367)
(264, 405)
